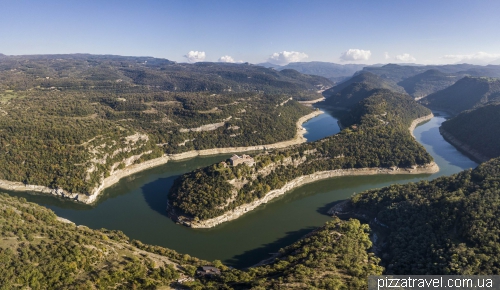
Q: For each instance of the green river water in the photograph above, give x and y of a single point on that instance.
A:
(136, 205)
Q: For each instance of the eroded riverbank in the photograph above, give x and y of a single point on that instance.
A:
(116, 175)
(136, 204)
(299, 181)
(463, 147)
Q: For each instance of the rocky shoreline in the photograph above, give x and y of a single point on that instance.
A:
(116, 175)
(310, 103)
(299, 181)
(418, 121)
(466, 149)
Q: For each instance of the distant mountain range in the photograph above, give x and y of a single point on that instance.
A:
(333, 71)
(428, 82)
(465, 94)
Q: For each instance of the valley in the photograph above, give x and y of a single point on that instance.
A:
(255, 216)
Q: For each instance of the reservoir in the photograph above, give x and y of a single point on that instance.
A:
(136, 205)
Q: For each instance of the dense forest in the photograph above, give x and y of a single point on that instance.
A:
(333, 71)
(357, 88)
(335, 256)
(67, 121)
(465, 94)
(398, 73)
(377, 136)
(446, 226)
(40, 252)
(37, 251)
(429, 82)
(478, 128)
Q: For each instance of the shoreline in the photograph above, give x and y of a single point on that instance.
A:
(417, 121)
(302, 180)
(116, 175)
(299, 181)
(310, 103)
(462, 147)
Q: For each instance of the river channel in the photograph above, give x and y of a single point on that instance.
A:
(136, 205)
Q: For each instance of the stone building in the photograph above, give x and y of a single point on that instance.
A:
(236, 160)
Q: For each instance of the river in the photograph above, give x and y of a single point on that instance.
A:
(136, 205)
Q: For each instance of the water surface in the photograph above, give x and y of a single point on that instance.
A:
(136, 205)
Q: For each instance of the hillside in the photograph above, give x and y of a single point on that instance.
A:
(333, 71)
(378, 138)
(445, 226)
(69, 121)
(84, 70)
(479, 129)
(356, 89)
(428, 82)
(465, 94)
(397, 73)
(38, 251)
(335, 256)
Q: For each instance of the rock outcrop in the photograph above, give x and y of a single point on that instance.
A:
(117, 174)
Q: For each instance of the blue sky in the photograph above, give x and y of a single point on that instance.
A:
(334, 31)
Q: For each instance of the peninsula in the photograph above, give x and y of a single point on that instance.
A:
(376, 140)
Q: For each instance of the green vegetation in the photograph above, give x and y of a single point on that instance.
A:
(465, 94)
(478, 128)
(68, 121)
(39, 252)
(378, 136)
(398, 73)
(336, 256)
(428, 82)
(333, 71)
(445, 226)
(357, 88)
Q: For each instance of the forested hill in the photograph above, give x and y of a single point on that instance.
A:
(380, 138)
(446, 226)
(82, 70)
(68, 121)
(335, 256)
(428, 82)
(356, 89)
(478, 128)
(465, 94)
(37, 251)
(397, 73)
(332, 71)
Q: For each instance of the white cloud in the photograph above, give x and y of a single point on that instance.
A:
(195, 56)
(386, 55)
(226, 58)
(478, 57)
(405, 57)
(285, 57)
(355, 55)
